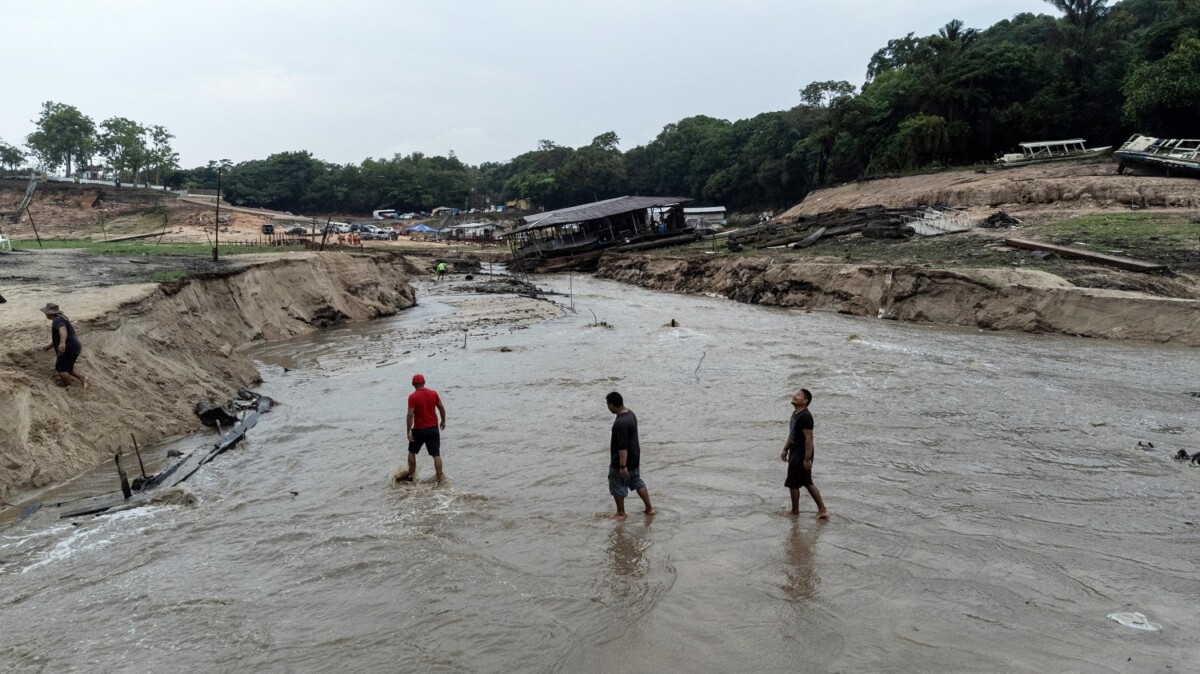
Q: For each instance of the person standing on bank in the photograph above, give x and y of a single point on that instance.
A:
(625, 459)
(441, 270)
(66, 345)
(423, 425)
(798, 453)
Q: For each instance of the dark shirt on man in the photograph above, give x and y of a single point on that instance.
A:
(73, 343)
(625, 436)
(799, 421)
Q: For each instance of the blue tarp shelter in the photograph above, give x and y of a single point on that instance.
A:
(422, 228)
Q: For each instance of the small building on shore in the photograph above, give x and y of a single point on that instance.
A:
(574, 237)
(708, 215)
(474, 231)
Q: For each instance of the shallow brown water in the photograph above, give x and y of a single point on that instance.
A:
(990, 508)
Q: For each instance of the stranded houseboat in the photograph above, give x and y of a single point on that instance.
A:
(574, 237)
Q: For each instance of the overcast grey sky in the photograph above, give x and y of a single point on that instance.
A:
(370, 78)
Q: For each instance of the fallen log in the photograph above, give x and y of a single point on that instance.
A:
(783, 241)
(831, 232)
(830, 221)
(810, 239)
(1102, 258)
(842, 231)
(657, 243)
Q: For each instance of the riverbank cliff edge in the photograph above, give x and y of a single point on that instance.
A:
(993, 299)
(151, 350)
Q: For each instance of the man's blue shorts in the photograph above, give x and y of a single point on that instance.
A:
(428, 437)
(621, 487)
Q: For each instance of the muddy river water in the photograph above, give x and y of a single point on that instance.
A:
(990, 507)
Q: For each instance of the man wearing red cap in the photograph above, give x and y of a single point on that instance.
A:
(423, 425)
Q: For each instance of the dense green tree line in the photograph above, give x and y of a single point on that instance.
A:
(67, 138)
(960, 95)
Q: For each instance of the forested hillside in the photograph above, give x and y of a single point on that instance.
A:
(1098, 70)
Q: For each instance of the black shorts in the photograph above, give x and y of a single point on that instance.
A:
(65, 362)
(428, 437)
(798, 476)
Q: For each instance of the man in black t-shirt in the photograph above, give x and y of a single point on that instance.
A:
(65, 343)
(625, 457)
(798, 452)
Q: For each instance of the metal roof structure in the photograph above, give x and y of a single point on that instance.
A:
(704, 209)
(594, 211)
(1048, 143)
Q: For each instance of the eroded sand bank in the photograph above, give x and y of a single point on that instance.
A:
(999, 299)
(151, 350)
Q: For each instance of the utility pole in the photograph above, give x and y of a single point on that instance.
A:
(217, 228)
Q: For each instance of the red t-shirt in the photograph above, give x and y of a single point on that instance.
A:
(423, 402)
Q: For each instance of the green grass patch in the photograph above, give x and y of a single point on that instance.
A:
(1120, 228)
(148, 247)
(167, 275)
(1167, 238)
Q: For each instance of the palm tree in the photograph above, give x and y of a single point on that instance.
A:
(953, 32)
(1081, 13)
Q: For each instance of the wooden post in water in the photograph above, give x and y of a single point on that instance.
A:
(125, 490)
(137, 451)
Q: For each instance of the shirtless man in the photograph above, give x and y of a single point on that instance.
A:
(798, 453)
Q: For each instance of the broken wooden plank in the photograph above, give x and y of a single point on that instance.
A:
(810, 239)
(677, 240)
(1091, 256)
(173, 475)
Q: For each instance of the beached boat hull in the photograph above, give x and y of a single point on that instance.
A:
(1164, 156)
(1093, 153)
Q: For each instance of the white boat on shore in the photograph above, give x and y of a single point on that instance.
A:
(1051, 150)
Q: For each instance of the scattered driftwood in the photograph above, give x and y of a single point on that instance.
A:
(804, 230)
(892, 228)
(659, 243)
(999, 219)
(212, 415)
(215, 416)
(146, 488)
(1102, 258)
(1182, 455)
